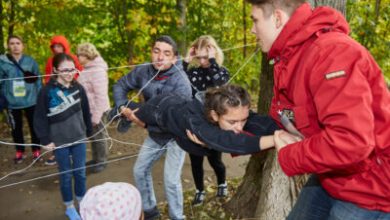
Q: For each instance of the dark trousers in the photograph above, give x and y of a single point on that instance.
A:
(16, 122)
(215, 161)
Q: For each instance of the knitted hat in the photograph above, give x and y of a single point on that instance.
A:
(111, 201)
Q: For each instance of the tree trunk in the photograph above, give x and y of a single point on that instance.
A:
(11, 21)
(244, 26)
(2, 49)
(182, 42)
(337, 4)
(266, 192)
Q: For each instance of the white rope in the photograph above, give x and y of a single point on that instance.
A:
(118, 67)
(79, 168)
(242, 66)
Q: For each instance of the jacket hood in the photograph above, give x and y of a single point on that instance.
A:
(98, 62)
(60, 40)
(304, 23)
(5, 59)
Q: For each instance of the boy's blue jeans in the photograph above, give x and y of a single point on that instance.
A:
(315, 203)
(66, 163)
(150, 152)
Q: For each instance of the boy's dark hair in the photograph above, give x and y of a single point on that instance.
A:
(220, 98)
(14, 36)
(58, 59)
(167, 39)
(288, 5)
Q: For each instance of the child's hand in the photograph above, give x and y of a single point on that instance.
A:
(49, 147)
(126, 112)
(283, 138)
(190, 55)
(194, 138)
(211, 51)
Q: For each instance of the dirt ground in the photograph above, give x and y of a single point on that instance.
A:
(40, 198)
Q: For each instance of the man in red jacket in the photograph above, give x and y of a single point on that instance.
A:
(332, 90)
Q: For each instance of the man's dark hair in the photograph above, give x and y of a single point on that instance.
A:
(167, 39)
(220, 98)
(14, 36)
(288, 5)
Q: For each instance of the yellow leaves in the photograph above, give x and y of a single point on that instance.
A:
(153, 30)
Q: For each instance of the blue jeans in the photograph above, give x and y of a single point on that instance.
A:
(150, 152)
(315, 203)
(66, 163)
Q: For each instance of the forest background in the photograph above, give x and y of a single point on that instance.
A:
(123, 30)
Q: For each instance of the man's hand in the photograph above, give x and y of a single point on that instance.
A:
(283, 138)
(194, 139)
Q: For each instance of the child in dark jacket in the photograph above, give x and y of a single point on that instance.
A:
(222, 122)
(62, 120)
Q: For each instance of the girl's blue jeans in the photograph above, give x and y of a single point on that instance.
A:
(71, 162)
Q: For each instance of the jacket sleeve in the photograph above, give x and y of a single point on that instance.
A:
(345, 116)
(124, 86)
(218, 74)
(260, 125)
(86, 110)
(223, 141)
(41, 121)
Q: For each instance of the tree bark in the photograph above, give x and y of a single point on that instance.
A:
(182, 42)
(2, 49)
(11, 20)
(244, 26)
(337, 4)
(266, 192)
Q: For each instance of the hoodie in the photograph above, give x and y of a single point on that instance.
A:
(49, 64)
(62, 115)
(94, 79)
(334, 92)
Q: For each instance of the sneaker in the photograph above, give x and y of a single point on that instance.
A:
(222, 190)
(51, 161)
(152, 214)
(72, 214)
(99, 168)
(110, 114)
(89, 163)
(19, 157)
(199, 198)
(123, 125)
(36, 154)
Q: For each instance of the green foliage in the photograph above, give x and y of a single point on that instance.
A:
(123, 30)
(370, 26)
